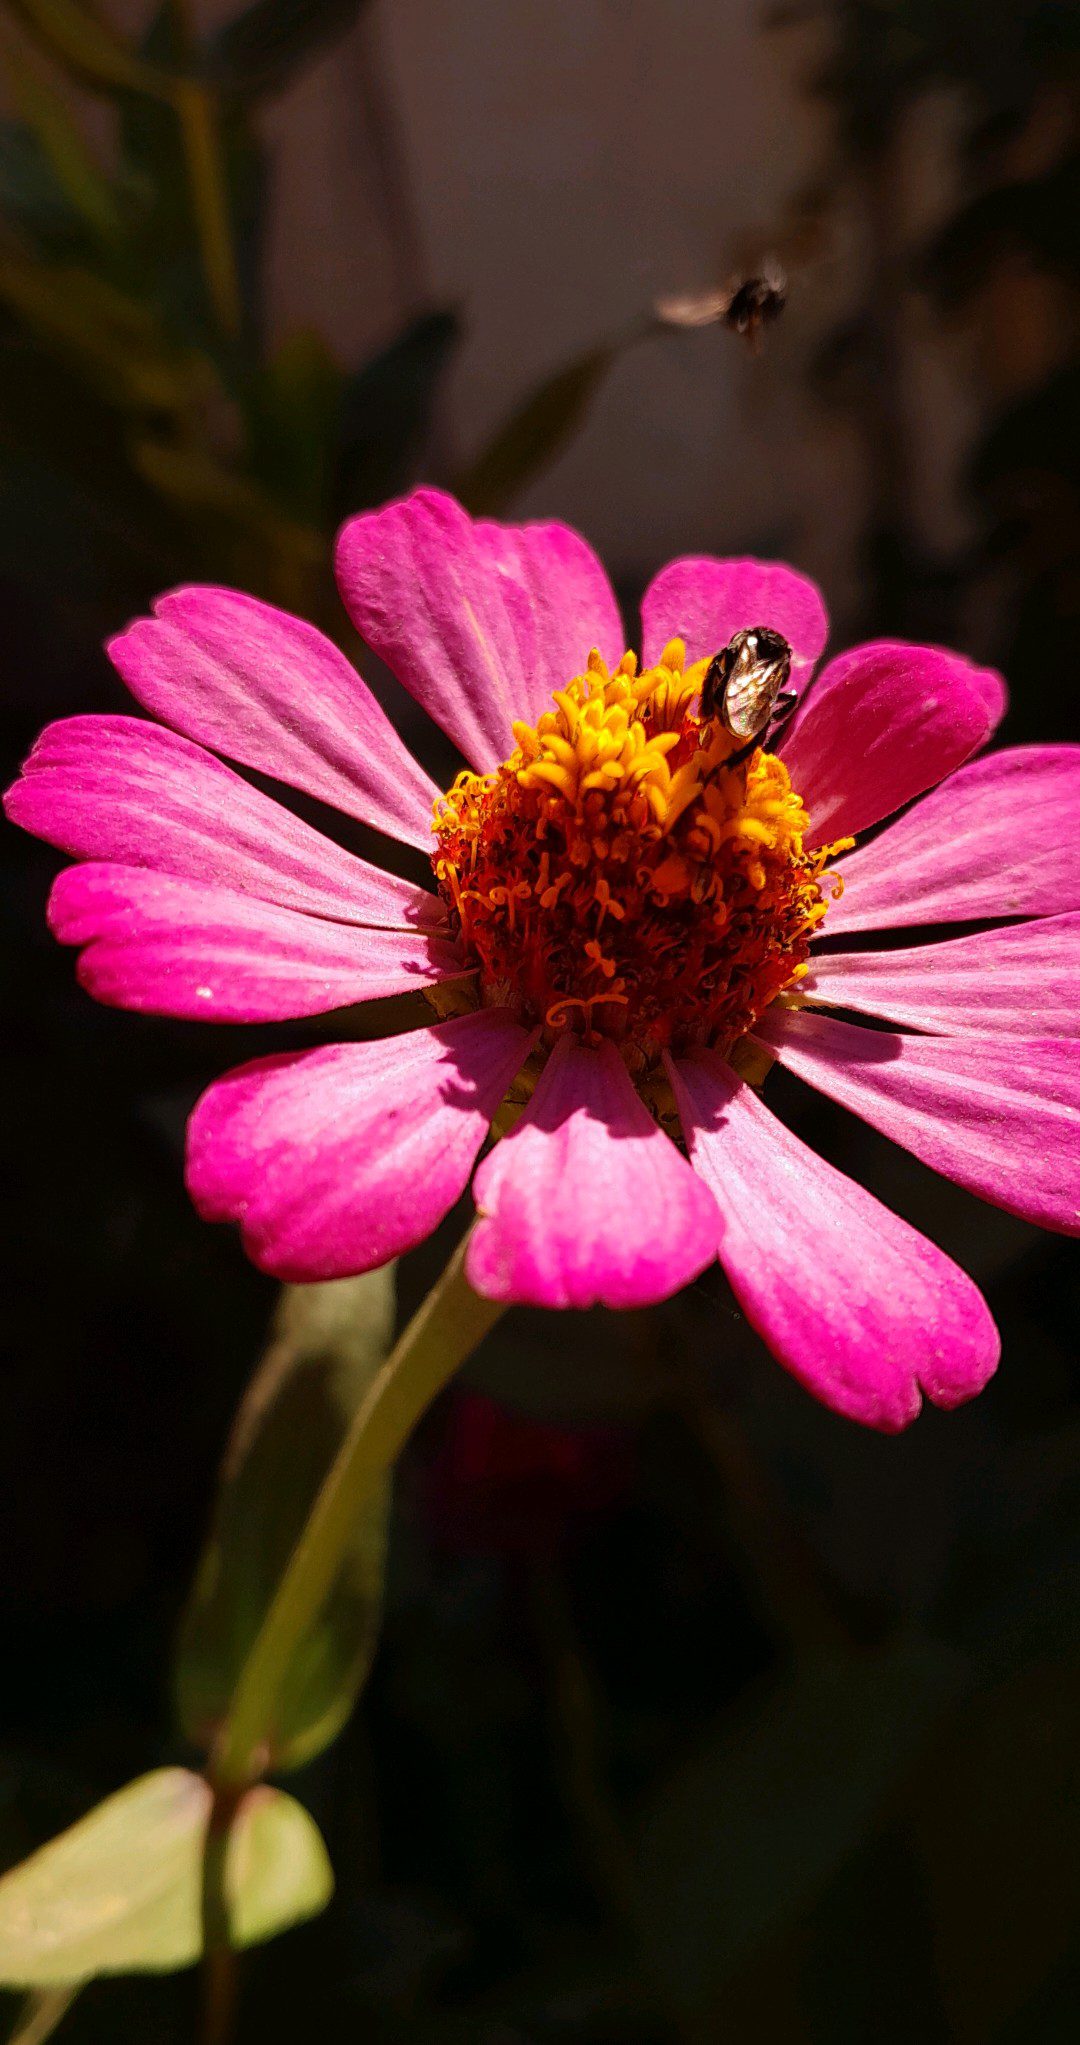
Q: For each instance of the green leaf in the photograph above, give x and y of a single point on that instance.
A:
(260, 49)
(110, 338)
(277, 1871)
(535, 433)
(260, 546)
(760, 1818)
(387, 408)
(330, 1342)
(121, 1892)
(74, 169)
(194, 479)
(31, 200)
(293, 408)
(71, 505)
(84, 45)
(156, 170)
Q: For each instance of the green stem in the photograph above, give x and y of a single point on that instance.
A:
(219, 1987)
(42, 2012)
(442, 1333)
(197, 113)
(219, 1967)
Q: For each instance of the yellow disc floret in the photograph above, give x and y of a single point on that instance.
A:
(627, 872)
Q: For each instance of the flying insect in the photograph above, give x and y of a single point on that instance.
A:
(746, 305)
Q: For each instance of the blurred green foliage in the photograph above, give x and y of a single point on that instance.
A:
(538, 430)
(329, 1343)
(149, 432)
(121, 1891)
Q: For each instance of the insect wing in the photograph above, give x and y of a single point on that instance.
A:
(692, 308)
(753, 685)
(712, 688)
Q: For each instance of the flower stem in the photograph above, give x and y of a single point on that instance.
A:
(219, 1989)
(445, 1330)
(42, 2011)
(220, 1981)
(197, 113)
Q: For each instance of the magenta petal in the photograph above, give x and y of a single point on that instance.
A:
(336, 1160)
(1023, 979)
(999, 839)
(994, 691)
(481, 622)
(879, 726)
(586, 1201)
(272, 692)
(997, 1114)
(855, 1303)
(569, 607)
(176, 947)
(120, 789)
(705, 601)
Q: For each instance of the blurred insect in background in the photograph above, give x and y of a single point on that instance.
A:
(746, 305)
(746, 687)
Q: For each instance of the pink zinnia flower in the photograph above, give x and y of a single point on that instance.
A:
(626, 920)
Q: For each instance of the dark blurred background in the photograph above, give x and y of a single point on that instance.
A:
(698, 1713)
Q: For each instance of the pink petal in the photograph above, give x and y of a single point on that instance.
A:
(120, 789)
(855, 1303)
(273, 693)
(879, 725)
(994, 690)
(480, 621)
(998, 1115)
(586, 1200)
(705, 601)
(999, 839)
(336, 1160)
(175, 947)
(1022, 979)
(570, 606)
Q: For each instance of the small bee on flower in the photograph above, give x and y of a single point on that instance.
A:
(637, 877)
(746, 686)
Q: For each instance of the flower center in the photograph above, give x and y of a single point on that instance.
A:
(629, 872)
